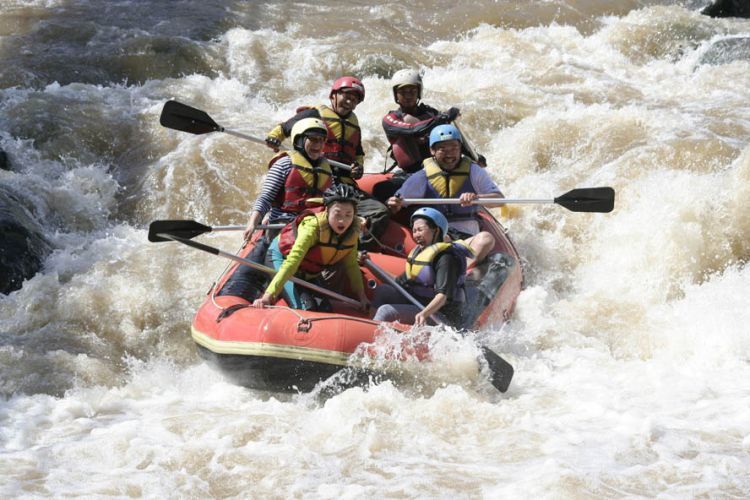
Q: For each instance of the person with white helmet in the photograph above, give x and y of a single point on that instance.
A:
(434, 274)
(344, 139)
(408, 127)
(343, 144)
(295, 176)
(450, 174)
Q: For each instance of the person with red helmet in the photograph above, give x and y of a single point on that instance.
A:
(344, 141)
(343, 144)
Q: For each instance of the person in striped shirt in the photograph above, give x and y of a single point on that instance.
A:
(294, 177)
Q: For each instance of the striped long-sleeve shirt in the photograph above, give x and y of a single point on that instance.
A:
(273, 186)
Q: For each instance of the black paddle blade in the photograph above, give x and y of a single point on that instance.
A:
(178, 116)
(182, 228)
(501, 370)
(600, 199)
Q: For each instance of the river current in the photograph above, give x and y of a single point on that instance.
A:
(630, 340)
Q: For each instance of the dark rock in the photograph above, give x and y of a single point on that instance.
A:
(4, 161)
(22, 246)
(728, 8)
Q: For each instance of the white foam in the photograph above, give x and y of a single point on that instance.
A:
(629, 341)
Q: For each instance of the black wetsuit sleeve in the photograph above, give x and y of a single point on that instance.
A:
(394, 125)
(446, 275)
(306, 113)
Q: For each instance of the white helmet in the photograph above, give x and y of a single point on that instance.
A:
(307, 127)
(404, 77)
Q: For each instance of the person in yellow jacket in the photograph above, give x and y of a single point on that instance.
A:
(314, 243)
(344, 140)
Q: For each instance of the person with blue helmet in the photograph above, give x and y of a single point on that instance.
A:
(445, 133)
(434, 274)
(450, 174)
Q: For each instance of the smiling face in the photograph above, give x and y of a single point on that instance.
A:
(447, 153)
(407, 96)
(422, 233)
(344, 101)
(314, 146)
(340, 216)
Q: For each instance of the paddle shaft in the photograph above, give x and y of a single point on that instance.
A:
(479, 201)
(259, 267)
(242, 228)
(467, 143)
(597, 199)
(335, 163)
(179, 116)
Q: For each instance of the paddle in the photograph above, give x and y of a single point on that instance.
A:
(468, 145)
(165, 230)
(501, 370)
(598, 199)
(190, 229)
(184, 118)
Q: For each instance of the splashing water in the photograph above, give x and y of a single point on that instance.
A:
(630, 342)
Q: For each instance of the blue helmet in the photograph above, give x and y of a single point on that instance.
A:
(434, 215)
(444, 133)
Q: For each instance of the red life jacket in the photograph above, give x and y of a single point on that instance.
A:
(303, 181)
(409, 136)
(330, 249)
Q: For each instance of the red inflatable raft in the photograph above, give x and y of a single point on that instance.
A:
(281, 348)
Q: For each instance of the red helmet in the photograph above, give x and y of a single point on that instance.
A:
(348, 82)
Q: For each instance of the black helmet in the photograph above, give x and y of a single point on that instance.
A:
(340, 192)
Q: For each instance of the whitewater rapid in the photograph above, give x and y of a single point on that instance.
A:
(630, 341)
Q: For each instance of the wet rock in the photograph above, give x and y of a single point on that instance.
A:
(728, 8)
(22, 246)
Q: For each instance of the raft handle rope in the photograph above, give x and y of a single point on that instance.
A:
(386, 168)
(213, 290)
(302, 320)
